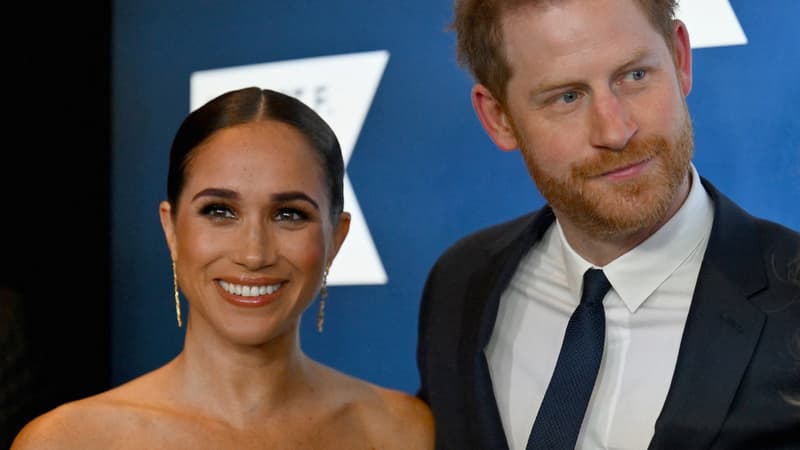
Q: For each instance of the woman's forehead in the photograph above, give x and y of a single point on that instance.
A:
(263, 155)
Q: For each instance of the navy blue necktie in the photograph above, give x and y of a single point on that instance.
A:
(560, 417)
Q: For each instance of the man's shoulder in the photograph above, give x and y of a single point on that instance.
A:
(776, 232)
(752, 250)
(780, 247)
(732, 215)
(475, 249)
(495, 236)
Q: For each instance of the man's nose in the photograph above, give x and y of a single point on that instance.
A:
(612, 125)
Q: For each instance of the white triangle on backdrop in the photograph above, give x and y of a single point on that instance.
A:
(340, 88)
(711, 23)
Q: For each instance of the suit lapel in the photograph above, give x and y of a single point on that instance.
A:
(721, 333)
(485, 288)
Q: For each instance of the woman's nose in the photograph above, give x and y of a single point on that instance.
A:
(257, 248)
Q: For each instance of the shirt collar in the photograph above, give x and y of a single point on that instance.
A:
(636, 274)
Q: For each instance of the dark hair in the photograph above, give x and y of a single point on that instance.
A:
(479, 35)
(249, 105)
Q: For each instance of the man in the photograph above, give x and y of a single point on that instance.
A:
(699, 317)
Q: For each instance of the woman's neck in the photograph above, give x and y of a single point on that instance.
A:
(241, 382)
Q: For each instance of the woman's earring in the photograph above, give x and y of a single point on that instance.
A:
(177, 296)
(323, 295)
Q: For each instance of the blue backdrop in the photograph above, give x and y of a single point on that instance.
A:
(423, 170)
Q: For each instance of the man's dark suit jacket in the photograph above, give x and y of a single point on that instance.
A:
(738, 367)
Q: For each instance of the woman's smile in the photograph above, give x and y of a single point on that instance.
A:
(250, 295)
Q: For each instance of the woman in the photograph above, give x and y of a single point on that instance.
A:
(253, 219)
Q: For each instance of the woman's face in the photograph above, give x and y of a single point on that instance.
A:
(252, 233)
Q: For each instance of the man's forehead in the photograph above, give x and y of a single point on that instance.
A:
(513, 8)
(565, 41)
(557, 21)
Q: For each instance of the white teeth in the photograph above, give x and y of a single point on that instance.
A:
(249, 291)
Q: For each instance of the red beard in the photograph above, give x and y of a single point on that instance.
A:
(607, 210)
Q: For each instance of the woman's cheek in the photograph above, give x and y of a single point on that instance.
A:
(305, 249)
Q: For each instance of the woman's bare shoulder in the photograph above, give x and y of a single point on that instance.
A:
(409, 414)
(395, 418)
(77, 424)
(87, 423)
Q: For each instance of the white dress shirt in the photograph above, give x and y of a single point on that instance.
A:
(646, 311)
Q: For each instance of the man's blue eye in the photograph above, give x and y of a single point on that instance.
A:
(569, 97)
(638, 74)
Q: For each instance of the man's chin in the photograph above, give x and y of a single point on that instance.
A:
(620, 210)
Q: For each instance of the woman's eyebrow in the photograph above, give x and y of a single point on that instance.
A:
(216, 192)
(294, 195)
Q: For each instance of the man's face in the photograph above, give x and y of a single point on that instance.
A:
(596, 104)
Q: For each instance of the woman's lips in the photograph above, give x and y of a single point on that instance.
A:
(250, 295)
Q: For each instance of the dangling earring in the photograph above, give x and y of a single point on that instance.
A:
(323, 294)
(177, 297)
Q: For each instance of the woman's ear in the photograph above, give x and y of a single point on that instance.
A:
(494, 118)
(340, 231)
(165, 212)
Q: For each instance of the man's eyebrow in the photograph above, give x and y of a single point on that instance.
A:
(552, 84)
(637, 58)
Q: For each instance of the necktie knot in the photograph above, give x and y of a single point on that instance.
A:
(595, 287)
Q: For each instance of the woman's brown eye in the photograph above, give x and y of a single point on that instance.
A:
(290, 214)
(217, 210)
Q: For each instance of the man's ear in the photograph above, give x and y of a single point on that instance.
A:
(165, 212)
(683, 56)
(494, 118)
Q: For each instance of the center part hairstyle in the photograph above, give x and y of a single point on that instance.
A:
(479, 35)
(249, 105)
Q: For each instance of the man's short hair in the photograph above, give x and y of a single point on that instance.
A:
(479, 35)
